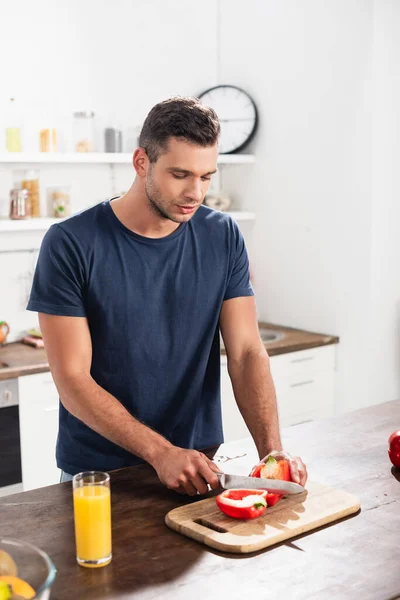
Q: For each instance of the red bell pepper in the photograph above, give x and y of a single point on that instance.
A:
(242, 504)
(272, 469)
(394, 448)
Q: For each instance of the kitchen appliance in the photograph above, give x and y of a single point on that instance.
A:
(291, 516)
(10, 449)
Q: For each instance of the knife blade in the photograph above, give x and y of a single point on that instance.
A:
(274, 486)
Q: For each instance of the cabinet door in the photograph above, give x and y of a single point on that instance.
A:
(38, 416)
(234, 426)
(305, 398)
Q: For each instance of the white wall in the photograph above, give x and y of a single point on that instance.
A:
(384, 341)
(326, 183)
(117, 59)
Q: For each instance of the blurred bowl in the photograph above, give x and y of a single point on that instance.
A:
(34, 566)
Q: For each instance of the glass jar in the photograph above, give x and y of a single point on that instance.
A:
(20, 204)
(112, 140)
(13, 129)
(59, 201)
(30, 182)
(84, 131)
(48, 140)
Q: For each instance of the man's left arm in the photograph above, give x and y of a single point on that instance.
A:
(249, 370)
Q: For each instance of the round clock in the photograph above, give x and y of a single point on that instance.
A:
(237, 113)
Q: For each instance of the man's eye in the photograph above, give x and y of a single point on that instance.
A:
(178, 176)
(206, 178)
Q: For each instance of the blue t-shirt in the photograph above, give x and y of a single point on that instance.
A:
(153, 309)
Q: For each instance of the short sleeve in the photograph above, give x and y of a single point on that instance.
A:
(239, 281)
(59, 279)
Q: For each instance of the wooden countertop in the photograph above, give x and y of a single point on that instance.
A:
(21, 359)
(26, 360)
(293, 339)
(358, 557)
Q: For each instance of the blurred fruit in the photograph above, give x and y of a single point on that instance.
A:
(7, 564)
(5, 591)
(394, 448)
(19, 587)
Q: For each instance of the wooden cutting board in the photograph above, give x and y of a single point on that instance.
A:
(296, 514)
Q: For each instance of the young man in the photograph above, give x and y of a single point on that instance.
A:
(131, 295)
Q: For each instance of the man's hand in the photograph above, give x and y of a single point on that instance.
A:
(186, 471)
(298, 471)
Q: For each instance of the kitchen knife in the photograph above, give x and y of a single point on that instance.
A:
(274, 486)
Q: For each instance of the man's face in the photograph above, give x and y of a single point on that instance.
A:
(177, 182)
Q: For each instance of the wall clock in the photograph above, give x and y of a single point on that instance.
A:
(237, 113)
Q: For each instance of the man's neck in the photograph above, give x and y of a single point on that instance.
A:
(135, 212)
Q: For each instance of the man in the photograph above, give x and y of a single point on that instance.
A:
(131, 295)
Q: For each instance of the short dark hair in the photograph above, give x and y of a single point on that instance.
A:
(181, 117)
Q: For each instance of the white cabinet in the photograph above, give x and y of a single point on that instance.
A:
(305, 388)
(38, 416)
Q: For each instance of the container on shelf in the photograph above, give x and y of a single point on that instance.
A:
(20, 204)
(48, 140)
(13, 129)
(58, 201)
(30, 182)
(83, 133)
(112, 140)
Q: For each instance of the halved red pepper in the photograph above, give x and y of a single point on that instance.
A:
(272, 469)
(242, 504)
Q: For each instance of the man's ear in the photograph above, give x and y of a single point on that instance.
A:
(141, 162)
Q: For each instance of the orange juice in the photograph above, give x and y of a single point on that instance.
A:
(92, 514)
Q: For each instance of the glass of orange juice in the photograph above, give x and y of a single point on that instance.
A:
(92, 516)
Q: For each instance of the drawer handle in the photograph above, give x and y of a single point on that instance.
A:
(52, 409)
(297, 360)
(302, 383)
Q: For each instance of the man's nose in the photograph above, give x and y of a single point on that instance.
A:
(195, 192)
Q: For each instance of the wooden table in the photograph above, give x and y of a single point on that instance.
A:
(358, 558)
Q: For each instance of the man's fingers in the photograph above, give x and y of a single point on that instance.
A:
(200, 484)
(303, 473)
(210, 463)
(207, 471)
(189, 488)
(298, 471)
(294, 471)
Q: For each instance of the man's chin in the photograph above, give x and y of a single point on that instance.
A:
(179, 218)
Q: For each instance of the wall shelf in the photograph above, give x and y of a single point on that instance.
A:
(42, 224)
(99, 158)
(37, 224)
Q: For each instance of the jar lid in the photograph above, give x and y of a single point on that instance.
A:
(83, 114)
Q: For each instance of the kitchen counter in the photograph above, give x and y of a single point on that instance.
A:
(357, 557)
(21, 359)
(292, 339)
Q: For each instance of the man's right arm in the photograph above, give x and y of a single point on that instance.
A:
(69, 350)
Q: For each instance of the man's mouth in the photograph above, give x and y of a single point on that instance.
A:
(187, 208)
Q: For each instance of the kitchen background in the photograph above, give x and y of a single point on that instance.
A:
(324, 185)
